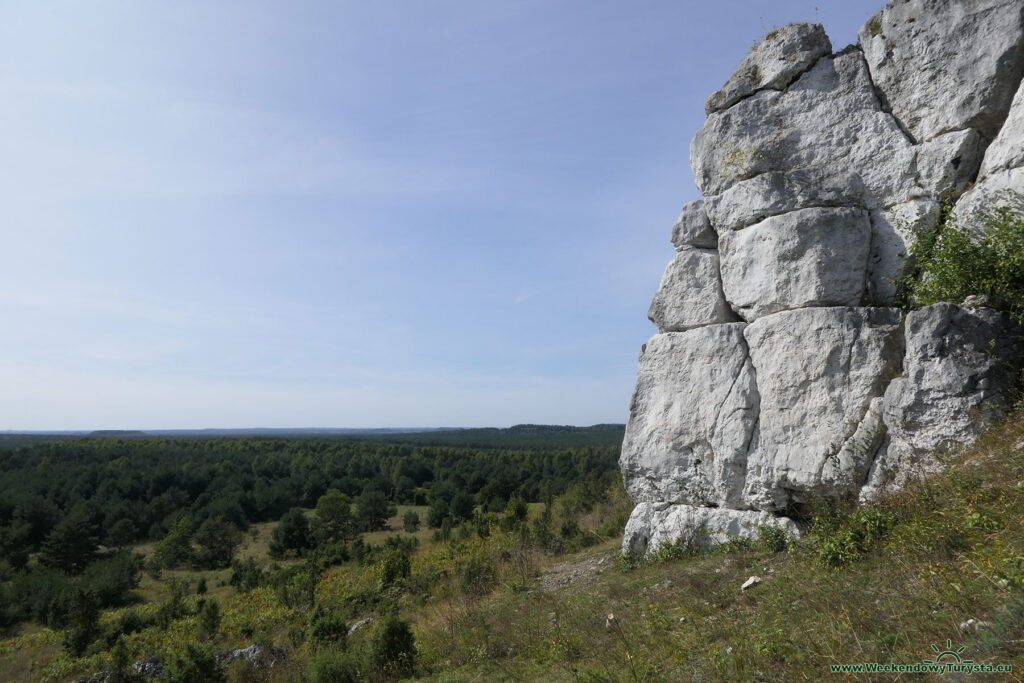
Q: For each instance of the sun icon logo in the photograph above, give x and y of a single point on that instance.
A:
(948, 652)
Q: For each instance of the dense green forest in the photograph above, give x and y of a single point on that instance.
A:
(71, 509)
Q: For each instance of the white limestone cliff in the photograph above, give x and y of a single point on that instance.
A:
(781, 371)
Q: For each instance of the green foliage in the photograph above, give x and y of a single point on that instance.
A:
(291, 536)
(246, 575)
(209, 618)
(373, 510)
(461, 507)
(844, 537)
(334, 667)
(334, 520)
(71, 546)
(327, 629)
(218, 539)
(393, 648)
(83, 622)
(410, 522)
(197, 664)
(986, 257)
(295, 586)
(120, 663)
(394, 566)
(772, 538)
(174, 607)
(479, 576)
(175, 549)
(516, 509)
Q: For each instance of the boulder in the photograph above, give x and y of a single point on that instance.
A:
(778, 192)
(693, 229)
(948, 163)
(692, 414)
(947, 66)
(653, 525)
(829, 119)
(1007, 150)
(691, 293)
(811, 257)
(775, 62)
(958, 375)
(997, 188)
(818, 371)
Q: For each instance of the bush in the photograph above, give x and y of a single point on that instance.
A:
(393, 567)
(83, 622)
(957, 260)
(393, 649)
(327, 630)
(197, 663)
(209, 618)
(246, 575)
(334, 667)
(292, 535)
(772, 538)
(111, 579)
(841, 541)
(411, 522)
(479, 576)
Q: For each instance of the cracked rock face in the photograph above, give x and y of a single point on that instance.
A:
(690, 294)
(810, 257)
(818, 371)
(957, 378)
(947, 65)
(784, 54)
(816, 169)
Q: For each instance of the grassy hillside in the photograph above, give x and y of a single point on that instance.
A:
(550, 599)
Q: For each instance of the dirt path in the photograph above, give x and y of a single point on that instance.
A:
(579, 572)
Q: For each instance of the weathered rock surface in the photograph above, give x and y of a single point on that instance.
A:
(691, 417)
(656, 524)
(774, 63)
(818, 371)
(988, 194)
(959, 371)
(949, 65)
(777, 192)
(691, 293)
(1007, 150)
(1002, 169)
(892, 234)
(816, 173)
(947, 164)
(810, 257)
(693, 229)
(829, 119)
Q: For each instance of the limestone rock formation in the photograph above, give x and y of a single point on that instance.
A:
(1002, 167)
(691, 293)
(947, 65)
(815, 168)
(783, 55)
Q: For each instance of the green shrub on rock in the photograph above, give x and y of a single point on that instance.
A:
(985, 257)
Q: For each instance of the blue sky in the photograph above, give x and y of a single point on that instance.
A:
(347, 214)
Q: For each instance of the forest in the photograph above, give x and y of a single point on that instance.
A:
(84, 521)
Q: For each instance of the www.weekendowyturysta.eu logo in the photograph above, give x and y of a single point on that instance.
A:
(946, 661)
